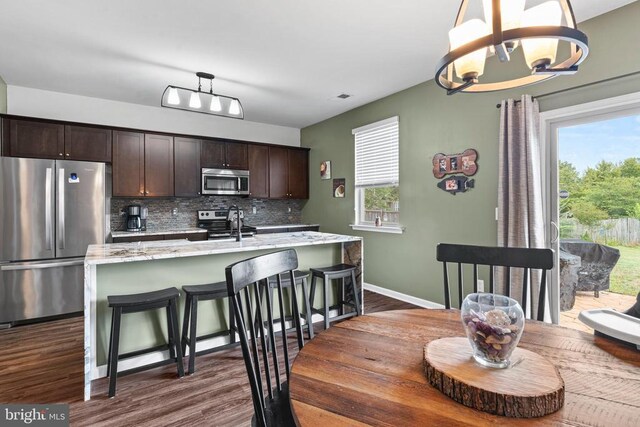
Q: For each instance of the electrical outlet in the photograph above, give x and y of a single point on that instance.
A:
(480, 285)
(255, 211)
(289, 209)
(174, 211)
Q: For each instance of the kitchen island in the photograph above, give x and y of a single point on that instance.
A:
(127, 268)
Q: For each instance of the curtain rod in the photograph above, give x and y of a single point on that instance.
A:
(581, 86)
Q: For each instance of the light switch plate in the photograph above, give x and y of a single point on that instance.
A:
(254, 210)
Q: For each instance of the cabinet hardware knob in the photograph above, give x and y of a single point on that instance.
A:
(60, 154)
(68, 154)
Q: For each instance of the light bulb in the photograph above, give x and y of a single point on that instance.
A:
(541, 52)
(173, 97)
(472, 65)
(194, 101)
(510, 12)
(215, 104)
(234, 107)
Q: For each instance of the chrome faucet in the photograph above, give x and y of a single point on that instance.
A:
(237, 218)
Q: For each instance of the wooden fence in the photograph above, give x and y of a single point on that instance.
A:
(392, 217)
(624, 231)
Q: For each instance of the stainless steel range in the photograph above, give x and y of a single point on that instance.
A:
(221, 224)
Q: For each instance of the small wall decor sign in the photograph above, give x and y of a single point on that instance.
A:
(465, 163)
(456, 184)
(325, 169)
(338, 188)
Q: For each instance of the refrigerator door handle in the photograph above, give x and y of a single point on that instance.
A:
(61, 225)
(41, 265)
(48, 213)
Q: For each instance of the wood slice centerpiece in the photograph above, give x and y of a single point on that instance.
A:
(530, 387)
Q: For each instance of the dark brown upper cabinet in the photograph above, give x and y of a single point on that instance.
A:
(128, 164)
(27, 138)
(186, 166)
(298, 174)
(44, 140)
(288, 173)
(87, 143)
(224, 155)
(258, 170)
(158, 165)
(278, 173)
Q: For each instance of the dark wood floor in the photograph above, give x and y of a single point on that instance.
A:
(43, 363)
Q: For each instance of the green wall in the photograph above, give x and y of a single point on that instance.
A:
(432, 122)
(3, 96)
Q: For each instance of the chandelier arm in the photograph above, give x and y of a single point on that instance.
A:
(570, 17)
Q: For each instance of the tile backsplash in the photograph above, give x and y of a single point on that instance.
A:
(161, 217)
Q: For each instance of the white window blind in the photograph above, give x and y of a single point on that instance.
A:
(377, 153)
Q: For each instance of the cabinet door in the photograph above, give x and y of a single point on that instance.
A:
(187, 173)
(34, 139)
(298, 174)
(87, 143)
(213, 154)
(237, 155)
(128, 164)
(158, 165)
(278, 173)
(258, 171)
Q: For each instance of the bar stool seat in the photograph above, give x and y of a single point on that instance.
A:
(300, 278)
(195, 294)
(348, 295)
(133, 303)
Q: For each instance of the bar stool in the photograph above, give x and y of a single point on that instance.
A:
(133, 303)
(195, 294)
(300, 278)
(334, 272)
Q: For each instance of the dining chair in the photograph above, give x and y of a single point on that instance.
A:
(527, 259)
(244, 279)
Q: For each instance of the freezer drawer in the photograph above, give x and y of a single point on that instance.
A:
(30, 290)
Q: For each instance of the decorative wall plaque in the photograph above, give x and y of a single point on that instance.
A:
(465, 163)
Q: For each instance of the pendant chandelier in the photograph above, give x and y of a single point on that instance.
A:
(508, 27)
(201, 101)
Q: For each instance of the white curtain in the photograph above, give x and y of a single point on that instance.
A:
(520, 205)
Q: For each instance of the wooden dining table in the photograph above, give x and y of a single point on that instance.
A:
(369, 371)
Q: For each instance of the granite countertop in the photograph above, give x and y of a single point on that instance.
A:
(163, 249)
(156, 232)
(267, 227)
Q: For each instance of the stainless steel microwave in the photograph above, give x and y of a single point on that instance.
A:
(225, 181)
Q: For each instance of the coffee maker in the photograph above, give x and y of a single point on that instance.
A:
(134, 221)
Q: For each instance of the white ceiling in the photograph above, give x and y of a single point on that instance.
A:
(286, 60)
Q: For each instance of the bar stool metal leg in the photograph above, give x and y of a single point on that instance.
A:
(307, 308)
(232, 323)
(356, 294)
(185, 323)
(327, 285)
(170, 334)
(173, 312)
(113, 356)
(192, 334)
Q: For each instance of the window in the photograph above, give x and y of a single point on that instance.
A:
(377, 181)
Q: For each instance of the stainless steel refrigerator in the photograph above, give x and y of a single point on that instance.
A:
(50, 211)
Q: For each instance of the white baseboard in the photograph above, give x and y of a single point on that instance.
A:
(401, 297)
